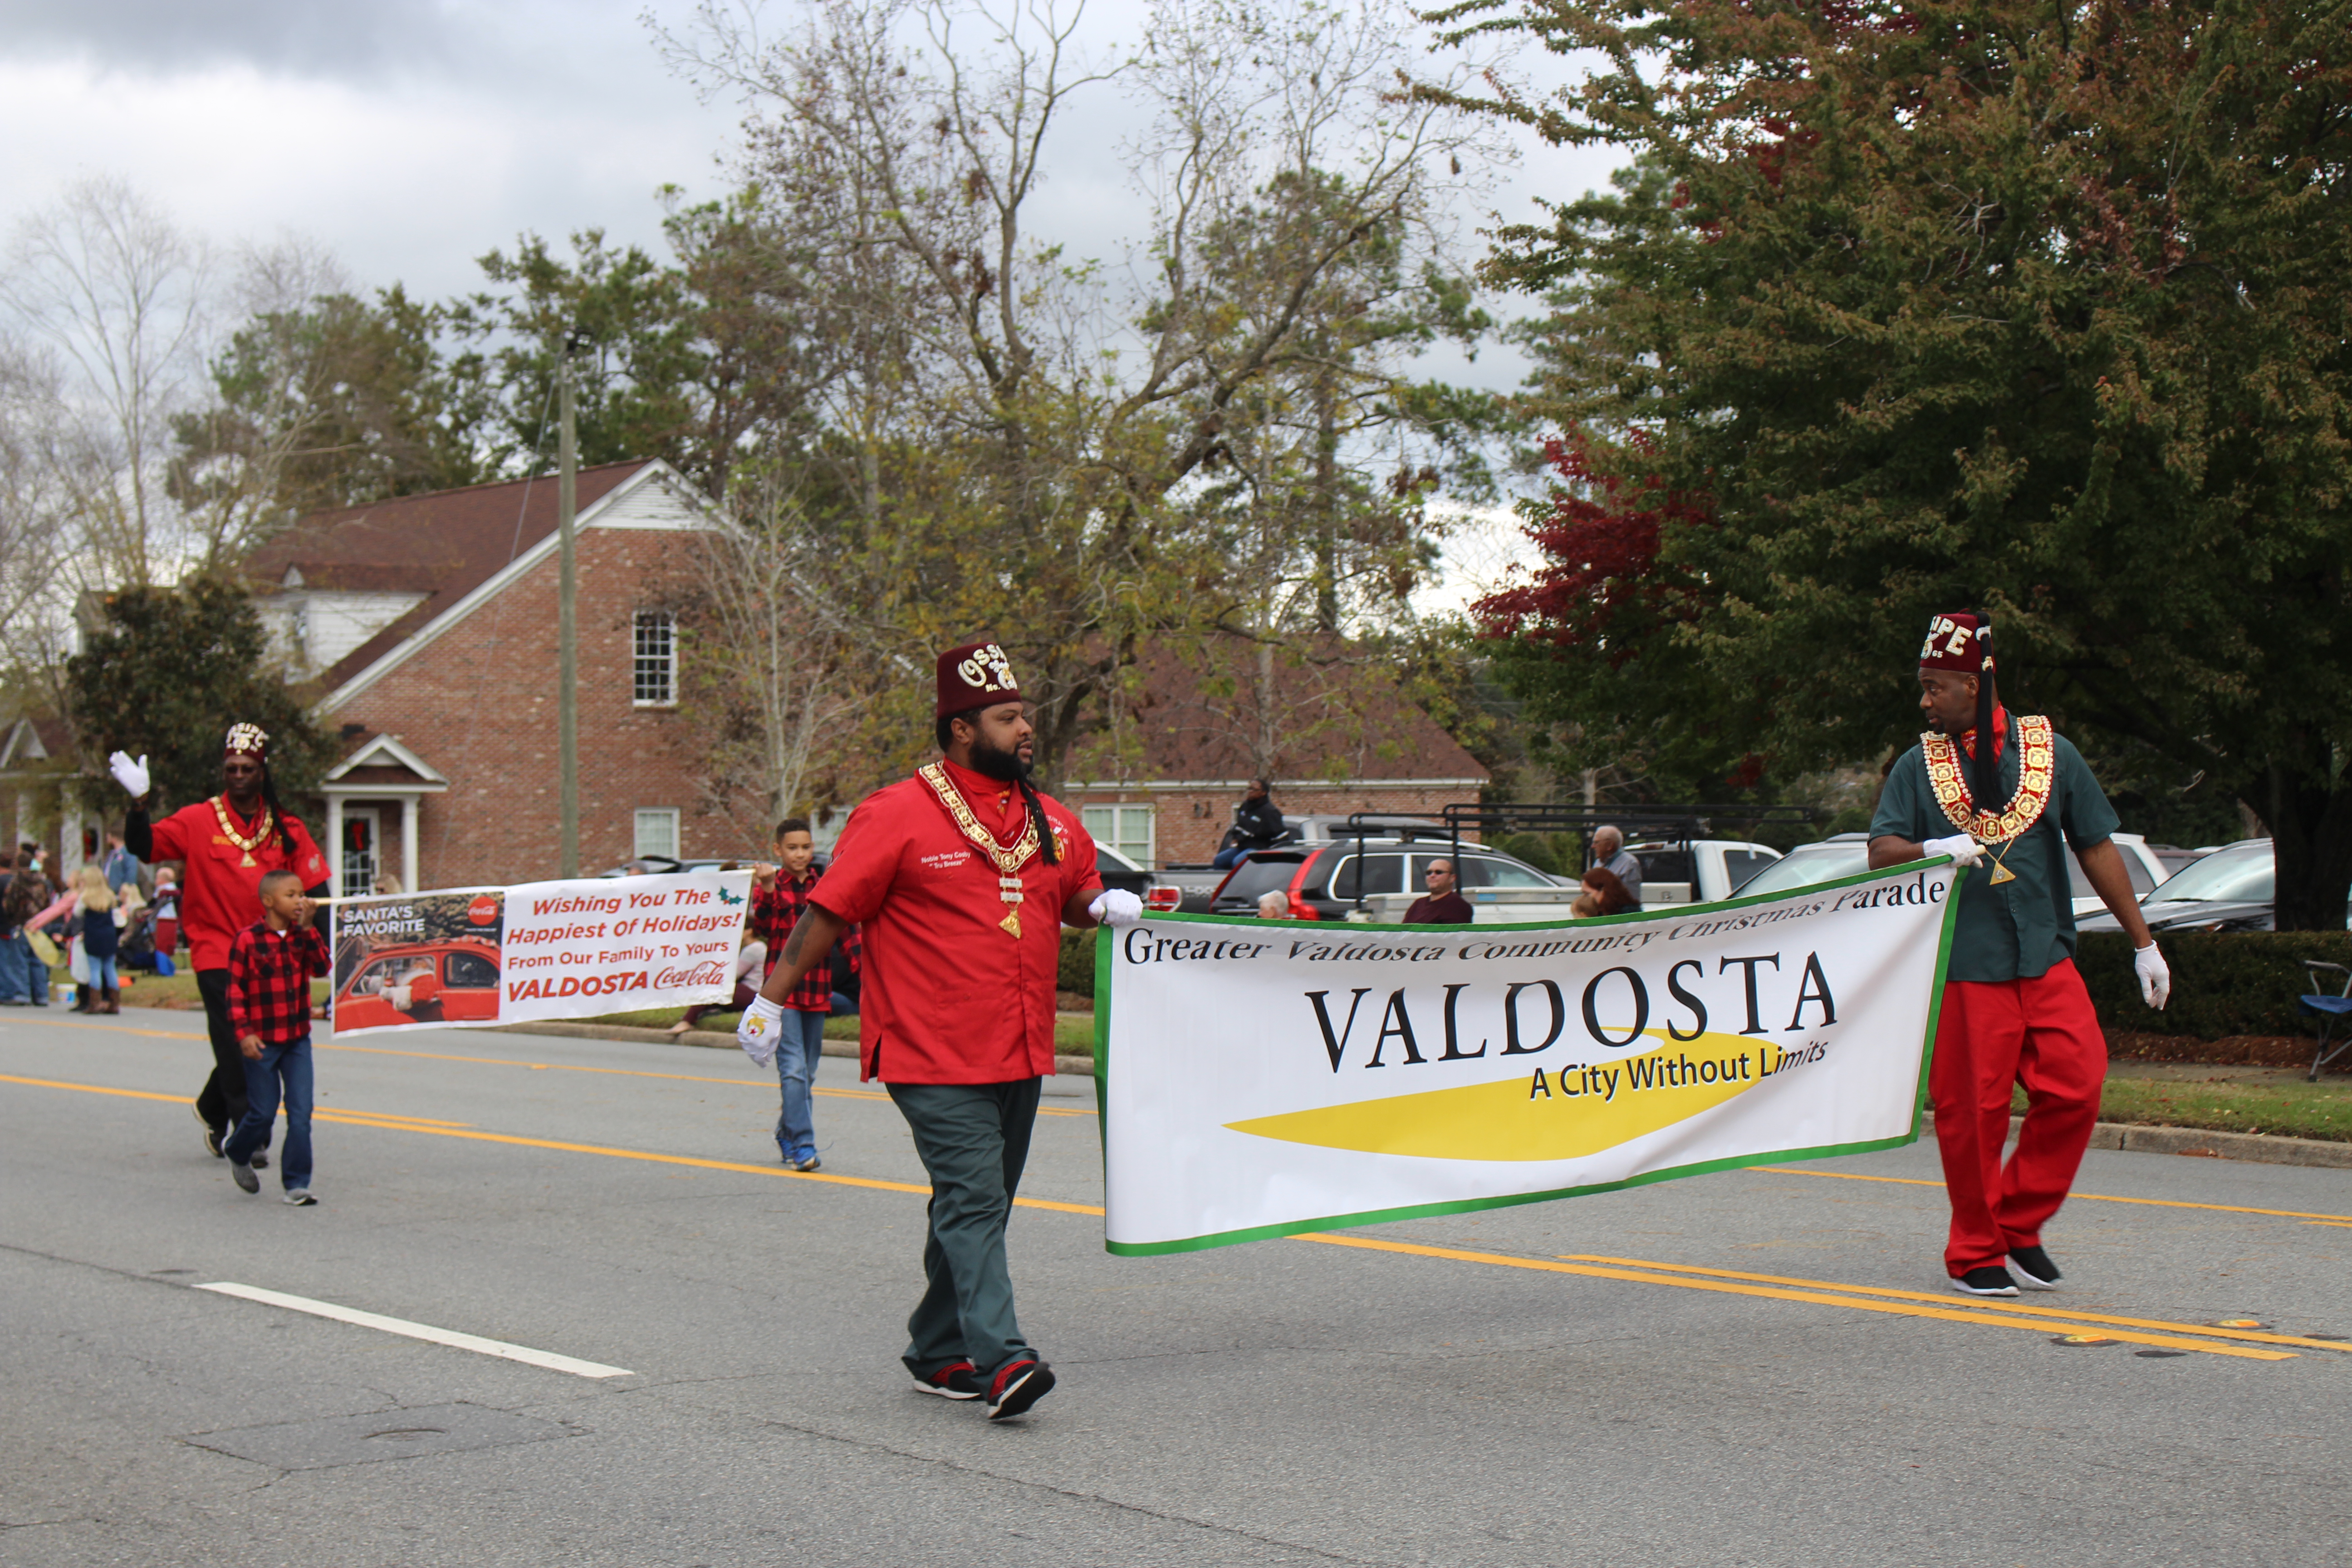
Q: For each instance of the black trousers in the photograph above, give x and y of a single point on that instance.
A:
(221, 1102)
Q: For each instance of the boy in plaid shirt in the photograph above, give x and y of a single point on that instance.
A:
(270, 968)
(779, 898)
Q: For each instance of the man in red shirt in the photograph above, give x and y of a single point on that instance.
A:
(228, 843)
(961, 879)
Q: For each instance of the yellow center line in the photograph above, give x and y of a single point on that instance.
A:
(1725, 1287)
(2083, 1197)
(364, 1119)
(1946, 1314)
(2002, 1305)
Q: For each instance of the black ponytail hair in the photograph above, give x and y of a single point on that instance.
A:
(1037, 816)
(276, 810)
(1984, 780)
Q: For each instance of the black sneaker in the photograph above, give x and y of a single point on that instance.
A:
(242, 1175)
(1018, 1385)
(2033, 1268)
(960, 1381)
(1992, 1279)
(213, 1137)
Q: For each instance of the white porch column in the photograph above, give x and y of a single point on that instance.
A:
(334, 845)
(69, 842)
(408, 843)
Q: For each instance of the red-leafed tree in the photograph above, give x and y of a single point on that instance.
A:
(1596, 639)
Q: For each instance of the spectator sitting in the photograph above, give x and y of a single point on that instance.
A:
(1609, 852)
(1274, 906)
(1442, 905)
(167, 914)
(1257, 824)
(1603, 894)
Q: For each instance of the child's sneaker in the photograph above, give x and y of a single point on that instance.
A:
(300, 1198)
(242, 1175)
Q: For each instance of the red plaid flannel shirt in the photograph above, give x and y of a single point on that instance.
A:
(776, 907)
(269, 980)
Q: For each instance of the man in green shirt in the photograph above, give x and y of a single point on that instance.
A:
(2014, 1008)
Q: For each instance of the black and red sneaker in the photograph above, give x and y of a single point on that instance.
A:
(959, 1380)
(1018, 1385)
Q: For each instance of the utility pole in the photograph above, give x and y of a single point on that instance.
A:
(567, 701)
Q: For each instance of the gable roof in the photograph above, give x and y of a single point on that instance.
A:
(443, 545)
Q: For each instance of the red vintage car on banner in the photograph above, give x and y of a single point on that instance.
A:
(422, 982)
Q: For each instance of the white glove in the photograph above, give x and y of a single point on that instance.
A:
(1117, 907)
(2154, 975)
(131, 775)
(1963, 849)
(761, 1029)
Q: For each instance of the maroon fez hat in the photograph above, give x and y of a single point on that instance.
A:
(976, 675)
(1960, 642)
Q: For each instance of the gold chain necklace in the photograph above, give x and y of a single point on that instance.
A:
(2037, 772)
(229, 830)
(1008, 862)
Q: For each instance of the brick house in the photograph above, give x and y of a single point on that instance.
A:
(1333, 732)
(429, 625)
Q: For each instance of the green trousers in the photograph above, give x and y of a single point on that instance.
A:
(974, 1139)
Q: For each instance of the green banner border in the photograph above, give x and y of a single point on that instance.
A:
(1104, 986)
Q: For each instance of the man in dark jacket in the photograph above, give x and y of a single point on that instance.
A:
(1257, 824)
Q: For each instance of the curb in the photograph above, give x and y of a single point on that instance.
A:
(2263, 1148)
(712, 1040)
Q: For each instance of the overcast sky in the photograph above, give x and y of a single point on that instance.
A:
(410, 136)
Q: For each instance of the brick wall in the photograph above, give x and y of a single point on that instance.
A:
(479, 704)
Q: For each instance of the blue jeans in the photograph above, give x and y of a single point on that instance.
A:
(288, 1065)
(798, 1048)
(102, 975)
(14, 957)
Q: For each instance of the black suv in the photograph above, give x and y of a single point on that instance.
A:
(1323, 880)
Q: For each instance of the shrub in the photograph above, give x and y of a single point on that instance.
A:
(2223, 982)
(1077, 965)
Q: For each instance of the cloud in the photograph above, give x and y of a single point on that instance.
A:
(349, 39)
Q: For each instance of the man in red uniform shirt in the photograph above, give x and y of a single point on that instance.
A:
(229, 843)
(961, 879)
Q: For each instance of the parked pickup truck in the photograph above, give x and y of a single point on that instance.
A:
(1697, 872)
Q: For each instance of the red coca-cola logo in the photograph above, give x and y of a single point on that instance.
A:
(483, 911)
(711, 973)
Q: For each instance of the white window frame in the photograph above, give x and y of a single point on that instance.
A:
(365, 882)
(662, 819)
(1118, 818)
(662, 665)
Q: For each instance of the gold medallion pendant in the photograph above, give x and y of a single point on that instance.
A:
(2037, 774)
(238, 840)
(1008, 862)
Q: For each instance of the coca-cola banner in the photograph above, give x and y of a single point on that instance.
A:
(476, 956)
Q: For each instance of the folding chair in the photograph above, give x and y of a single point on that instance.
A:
(2333, 1012)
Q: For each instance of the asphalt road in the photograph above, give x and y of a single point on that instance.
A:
(1453, 1393)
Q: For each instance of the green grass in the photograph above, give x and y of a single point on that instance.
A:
(2280, 1103)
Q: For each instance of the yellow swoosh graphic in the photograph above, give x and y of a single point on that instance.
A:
(1511, 1120)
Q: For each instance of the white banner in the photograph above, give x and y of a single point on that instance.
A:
(477, 956)
(1261, 1078)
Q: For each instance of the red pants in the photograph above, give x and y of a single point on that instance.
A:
(2040, 1033)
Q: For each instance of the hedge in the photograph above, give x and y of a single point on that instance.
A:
(2223, 982)
(1078, 970)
